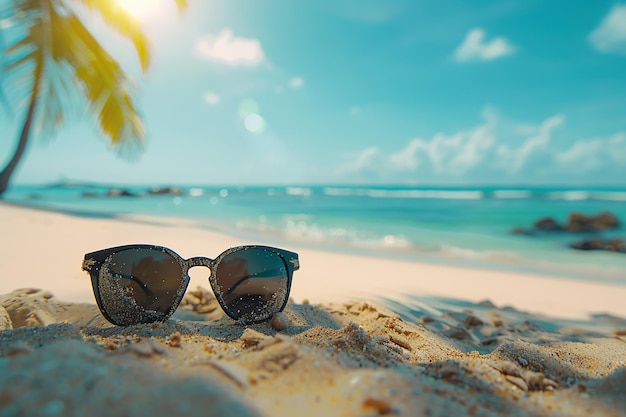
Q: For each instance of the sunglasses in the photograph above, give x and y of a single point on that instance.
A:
(136, 284)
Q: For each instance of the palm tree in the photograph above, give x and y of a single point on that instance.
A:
(52, 64)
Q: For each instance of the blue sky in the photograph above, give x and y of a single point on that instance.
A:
(363, 91)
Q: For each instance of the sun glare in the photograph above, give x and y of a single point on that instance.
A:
(144, 10)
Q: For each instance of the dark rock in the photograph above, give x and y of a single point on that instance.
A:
(579, 222)
(115, 192)
(606, 220)
(165, 191)
(615, 245)
(547, 223)
(589, 244)
(618, 245)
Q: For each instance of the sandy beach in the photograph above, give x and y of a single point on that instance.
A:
(362, 335)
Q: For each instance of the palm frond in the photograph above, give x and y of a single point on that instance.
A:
(101, 80)
(15, 48)
(59, 93)
(56, 57)
(3, 97)
(126, 24)
(19, 52)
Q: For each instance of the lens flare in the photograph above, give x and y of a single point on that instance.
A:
(254, 123)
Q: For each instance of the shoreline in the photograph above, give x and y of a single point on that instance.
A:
(60, 240)
(509, 257)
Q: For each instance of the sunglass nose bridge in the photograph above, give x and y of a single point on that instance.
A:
(199, 276)
(199, 261)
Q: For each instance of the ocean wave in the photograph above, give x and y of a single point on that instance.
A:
(511, 194)
(344, 192)
(577, 195)
(302, 230)
(609, 195)
(299, 191)
(426, 194)
(301, 227)
(479, 255)
(502, 194)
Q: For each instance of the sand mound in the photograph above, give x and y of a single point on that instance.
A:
(353, 359)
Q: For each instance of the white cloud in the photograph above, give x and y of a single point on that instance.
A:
(485, 151)
(211, 97)
(407, 159)
(364, 160)
(476, 48)
(588, 154)
(454, 154)
(583, 154)
(228, 49)
(296, 82)
(610, 36)
(514, 159)
(475, 144)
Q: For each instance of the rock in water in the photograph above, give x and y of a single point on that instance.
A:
(548, 223)
(579, 222)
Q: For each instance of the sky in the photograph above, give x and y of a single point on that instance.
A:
(361, 91)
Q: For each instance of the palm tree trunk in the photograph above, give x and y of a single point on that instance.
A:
(6, 173)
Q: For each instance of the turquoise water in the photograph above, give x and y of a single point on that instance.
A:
(466, 226)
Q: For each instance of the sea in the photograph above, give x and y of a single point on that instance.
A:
(464, 226)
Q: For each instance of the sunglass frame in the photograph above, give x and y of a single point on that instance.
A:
(93, 262)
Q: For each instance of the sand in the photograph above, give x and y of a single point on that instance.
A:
(451, 341)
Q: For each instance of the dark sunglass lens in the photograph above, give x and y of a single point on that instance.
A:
(139, 285)
(254, 284)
